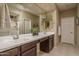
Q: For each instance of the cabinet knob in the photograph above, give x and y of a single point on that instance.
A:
(71, 32)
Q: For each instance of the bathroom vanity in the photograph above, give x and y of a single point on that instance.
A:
(26, 45)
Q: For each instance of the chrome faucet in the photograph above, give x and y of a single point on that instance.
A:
(16, 36)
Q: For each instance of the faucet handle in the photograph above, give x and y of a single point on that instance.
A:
(15, 36)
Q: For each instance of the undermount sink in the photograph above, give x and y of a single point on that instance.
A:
(22, 38)
(6, 39)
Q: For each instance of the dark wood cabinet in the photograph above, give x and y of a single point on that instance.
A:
(47, 45)
(51, 42)
(29, 49)
(30, 52)
(11, 52)
(43, 39)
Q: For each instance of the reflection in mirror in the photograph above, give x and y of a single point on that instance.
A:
(35, 29)
(25, 26)
(47, 24)
(21, 20)
(5, 21)
(14, 23)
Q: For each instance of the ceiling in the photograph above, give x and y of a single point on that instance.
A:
(66, 6)
(1, 4)
(38, 8)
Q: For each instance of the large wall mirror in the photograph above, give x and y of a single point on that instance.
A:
(4, 30)
(24, 23)
(47, 22)
(25, 26)
(14, 23)
(20, 20)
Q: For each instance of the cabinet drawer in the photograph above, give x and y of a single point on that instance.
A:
(31, 52)
(43, 39)
(51, 37)
(47, 45)
(12, 52)
(28, 46)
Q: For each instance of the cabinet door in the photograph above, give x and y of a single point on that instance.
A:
(12, 52)
(30, 52)
(47, 45)
(44, 46)
(28, 46)
(43, 39)
(51, 42)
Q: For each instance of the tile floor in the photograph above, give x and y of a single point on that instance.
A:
(62, 50)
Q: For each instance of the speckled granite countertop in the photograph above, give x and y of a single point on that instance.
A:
(7, 42)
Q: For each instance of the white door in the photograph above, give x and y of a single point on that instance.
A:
(67, 30)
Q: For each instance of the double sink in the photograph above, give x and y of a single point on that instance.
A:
(22, 37)
(8, 42)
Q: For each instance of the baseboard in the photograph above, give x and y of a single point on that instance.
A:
(68, 43)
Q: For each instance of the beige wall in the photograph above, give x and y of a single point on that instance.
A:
(68, 13)
(0, 16)
(56, 17)
(54, 23)
(78, 26)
